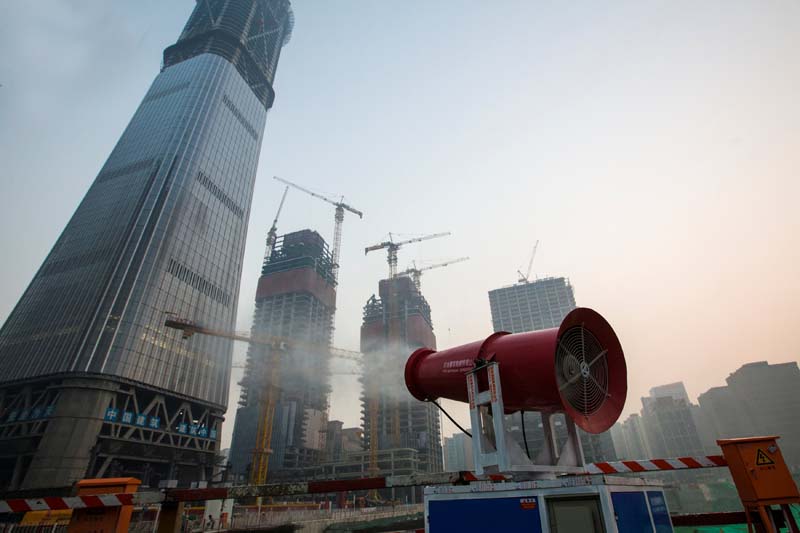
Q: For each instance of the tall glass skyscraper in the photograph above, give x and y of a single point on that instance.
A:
(91, 382)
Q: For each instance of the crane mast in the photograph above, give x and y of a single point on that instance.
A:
(338, 220)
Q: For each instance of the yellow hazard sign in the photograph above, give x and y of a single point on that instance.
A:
(762, 459)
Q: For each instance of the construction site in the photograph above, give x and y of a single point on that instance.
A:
(282, 423)
(291, 466)
(117, 364)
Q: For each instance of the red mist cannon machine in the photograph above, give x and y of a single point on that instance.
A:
(577, 369)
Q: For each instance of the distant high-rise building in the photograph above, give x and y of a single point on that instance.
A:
(296, 300)
(629, 438)
(393, 326)
(759, 399)
(669, 425)
(596, 447)
(333, 441)
(671, 390)
(91, 382)
(458, 453)
(352, 439)
(531, 306)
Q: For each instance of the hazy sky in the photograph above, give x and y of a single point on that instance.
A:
(651, 146)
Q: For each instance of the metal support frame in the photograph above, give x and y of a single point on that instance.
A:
(493, 448)
(24, 411)
(167, 441)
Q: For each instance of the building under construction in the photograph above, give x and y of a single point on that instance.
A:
(394, 324)
(295, 299)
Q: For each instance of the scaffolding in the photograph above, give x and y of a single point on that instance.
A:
(291, 309)
(394, 323)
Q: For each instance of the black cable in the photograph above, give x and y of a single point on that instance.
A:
(434, 402)
(524, 437)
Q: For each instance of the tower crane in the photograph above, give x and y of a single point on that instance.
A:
(391, 248)
(268, 396)
(525, 278)
(272, 234)
(373, 391)
(338, 218)
(189, 328)
(416, 273)
(243, 365)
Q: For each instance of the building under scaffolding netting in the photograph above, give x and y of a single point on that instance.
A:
(395, 323)
(296, 299)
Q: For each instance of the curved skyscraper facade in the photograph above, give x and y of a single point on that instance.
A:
(91, 382)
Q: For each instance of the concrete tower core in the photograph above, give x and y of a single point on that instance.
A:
(394, 325)
(296, 300)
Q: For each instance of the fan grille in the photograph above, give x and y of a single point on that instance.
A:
(582, 370)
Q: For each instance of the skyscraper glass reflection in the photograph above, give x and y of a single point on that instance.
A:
(91, 383)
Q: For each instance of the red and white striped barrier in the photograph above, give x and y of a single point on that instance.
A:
(317, 487)
(72, 502)
(653, 465)
(497, 478)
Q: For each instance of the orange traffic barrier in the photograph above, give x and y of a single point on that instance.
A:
(108, 519)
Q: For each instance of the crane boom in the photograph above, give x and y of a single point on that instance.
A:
(524, 278)
(338, 219)
(243, 365)
(280, 207)
(416, 273)
(390, 243)
(189, 328)
(424, 238)
(443, 264)
(392, 247)
(272, 234)
(321, 197)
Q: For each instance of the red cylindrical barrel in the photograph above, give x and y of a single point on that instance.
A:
(577, 368)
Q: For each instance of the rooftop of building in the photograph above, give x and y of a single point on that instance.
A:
(675, 390)
(405, 295)
(301, 249)
(536, 283)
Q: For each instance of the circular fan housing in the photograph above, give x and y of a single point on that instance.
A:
(590, 370)
(577, 368)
